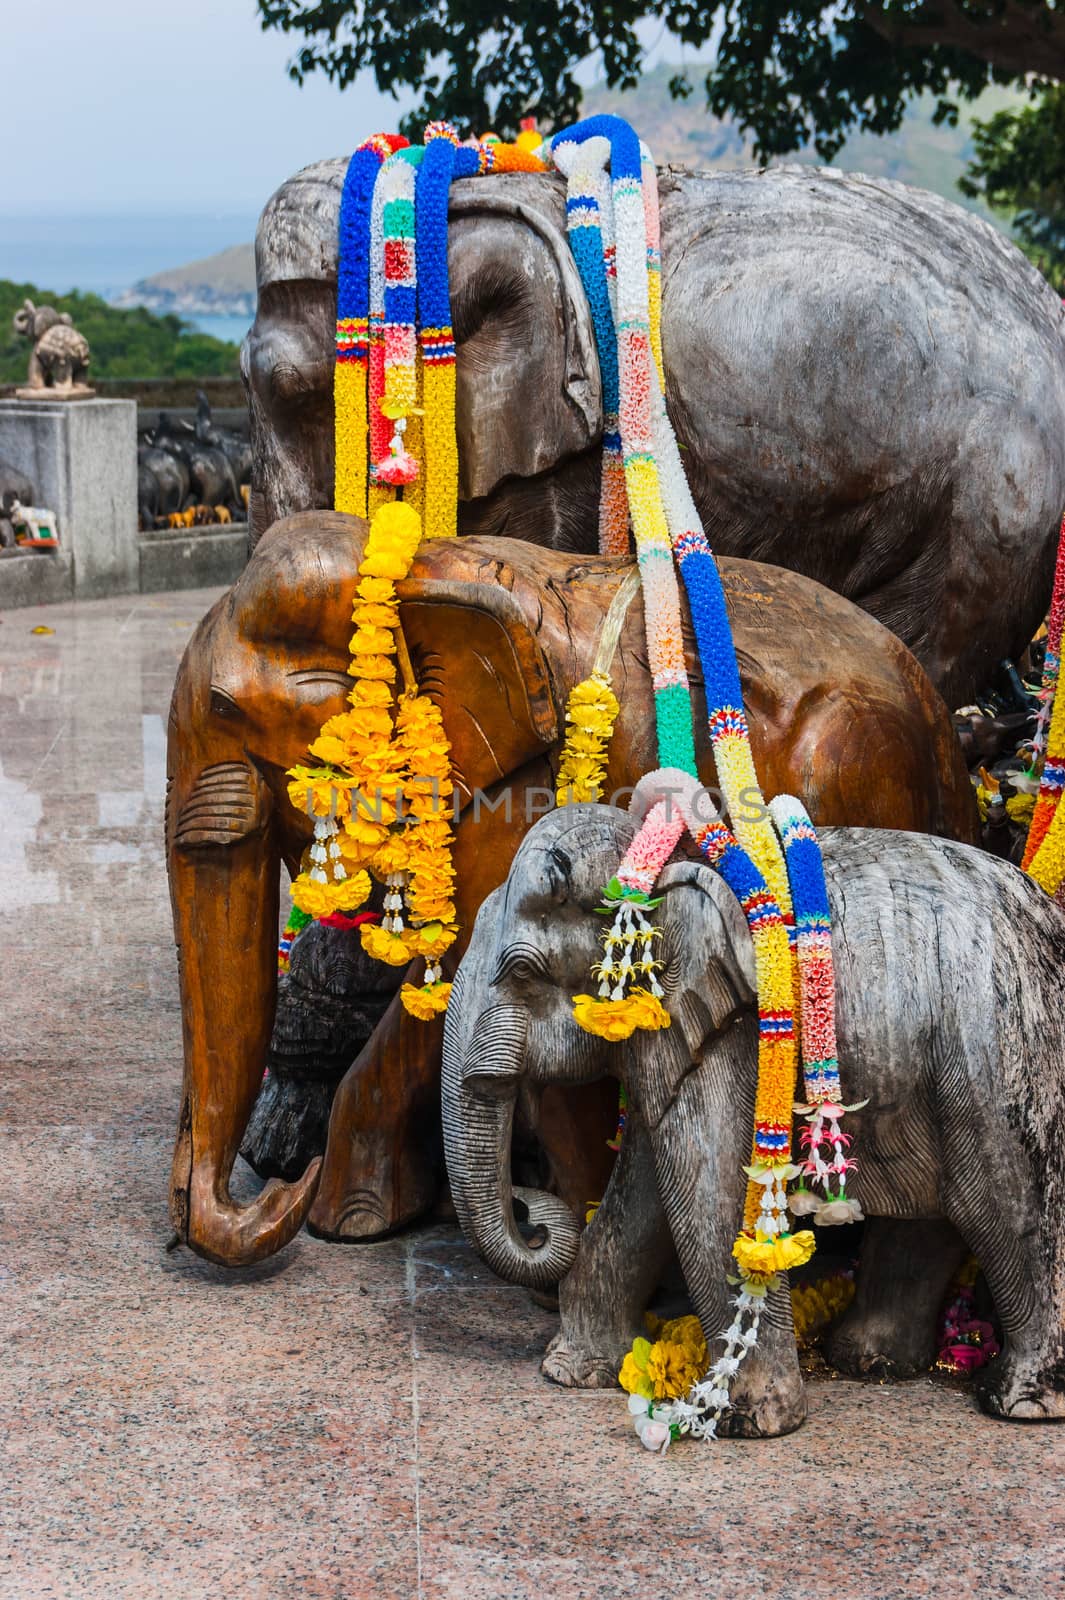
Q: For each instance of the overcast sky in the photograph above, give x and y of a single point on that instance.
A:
(156, 106)
(170, 107)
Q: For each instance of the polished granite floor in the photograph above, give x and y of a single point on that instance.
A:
(350, 1422)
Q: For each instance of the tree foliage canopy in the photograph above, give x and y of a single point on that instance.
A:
(124, 343)
(1019, 166)
(789, 71)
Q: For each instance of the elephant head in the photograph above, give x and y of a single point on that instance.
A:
(522, 328)
(265, 668)
(510, 1022)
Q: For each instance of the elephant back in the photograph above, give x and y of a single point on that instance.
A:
(63, 343)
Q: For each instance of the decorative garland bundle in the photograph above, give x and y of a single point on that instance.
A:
(395, 347)
(379, 795)
(617, 232)
(395, 344)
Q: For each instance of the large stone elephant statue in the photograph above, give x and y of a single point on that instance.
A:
(950, 983)
(839, 712)
(868, 385)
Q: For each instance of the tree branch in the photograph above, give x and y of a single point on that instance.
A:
(1019, 38)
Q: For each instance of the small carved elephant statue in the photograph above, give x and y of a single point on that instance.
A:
(59, 359)
(499, 633)
(950, 973)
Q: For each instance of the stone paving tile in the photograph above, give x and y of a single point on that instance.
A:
(349, 1422)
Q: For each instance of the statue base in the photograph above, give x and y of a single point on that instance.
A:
(82, 462)
(77, 391)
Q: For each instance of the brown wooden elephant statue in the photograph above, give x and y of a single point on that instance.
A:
(499, 633)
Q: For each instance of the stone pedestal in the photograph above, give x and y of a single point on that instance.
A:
(82, 458)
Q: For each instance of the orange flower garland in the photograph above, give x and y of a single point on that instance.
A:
(380, 795)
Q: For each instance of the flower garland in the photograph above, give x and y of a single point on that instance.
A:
(294, 925)
(394, 345)
(615, 1012)
(352, 322)
(966, 1342)
(377, 771)
(398, 372)
(824, 1108)
(630, 995)
(581, 152)
(1044, 853)
(394, 335)
(1052, 659)
(659, 1372)
(625, 222)
(591, 712)
(662, 618)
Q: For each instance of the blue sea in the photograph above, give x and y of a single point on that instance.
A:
(109, 254)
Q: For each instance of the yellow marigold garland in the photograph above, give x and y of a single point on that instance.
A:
(380, 794)
(591, 712)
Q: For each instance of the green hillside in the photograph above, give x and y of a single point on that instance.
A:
(919, 153)
(124, 344)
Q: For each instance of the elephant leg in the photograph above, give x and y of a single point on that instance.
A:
(889, 1330)
(1027, 1382)
(621, 1256)
(701, 1147)
(383, 1156)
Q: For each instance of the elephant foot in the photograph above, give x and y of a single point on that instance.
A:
(364, 1215)
(574, 1367)
(1016, 1392)
(862, 1351)
(889, 1330)
(288, 1125)
(764, 1405)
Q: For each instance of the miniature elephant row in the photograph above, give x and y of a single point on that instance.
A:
(867, 383)
(951, 1024)
(839, 712)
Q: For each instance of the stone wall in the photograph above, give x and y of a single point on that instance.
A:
(81, 457)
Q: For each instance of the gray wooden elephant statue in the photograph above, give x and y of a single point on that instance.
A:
(951, 1021)
(875, 399)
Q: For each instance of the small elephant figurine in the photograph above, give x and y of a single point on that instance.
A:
(59, 360)
(35, 524)
(499, 633)
(950, 970)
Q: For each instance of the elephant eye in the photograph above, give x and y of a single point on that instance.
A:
(223, 705)
(521, 961)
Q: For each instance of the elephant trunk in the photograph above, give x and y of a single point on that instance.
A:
(480, 1089)
(224, 866)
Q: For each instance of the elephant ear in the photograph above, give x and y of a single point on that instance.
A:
(707, 973)
(523, 332)
(477, 658)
